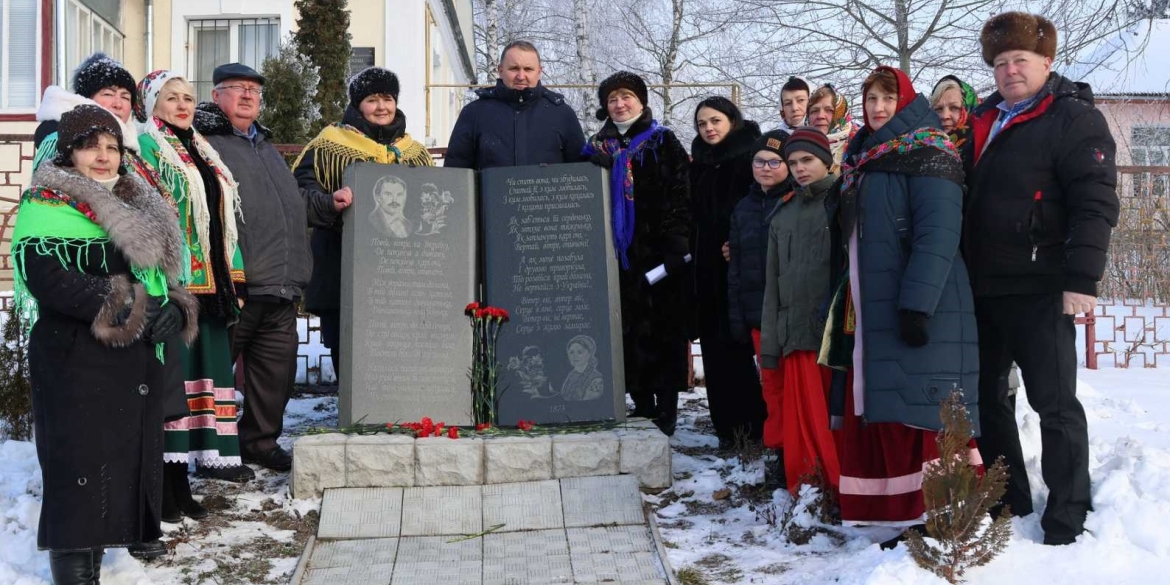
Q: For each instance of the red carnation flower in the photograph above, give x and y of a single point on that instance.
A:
(453, 433)
(471, 308)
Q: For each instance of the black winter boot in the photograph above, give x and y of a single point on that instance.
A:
(667, 417)
(180, 491)
(774, 475)
(74, 567)
(98, 553)
(170, 507)
(643, 405)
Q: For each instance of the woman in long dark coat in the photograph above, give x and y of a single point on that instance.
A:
(721, 175)
(97, 257)
(652, 228)
(902, 322)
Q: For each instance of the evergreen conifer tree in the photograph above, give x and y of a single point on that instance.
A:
(288, 109)
(15, 389)
(323, 36)
(957, 502)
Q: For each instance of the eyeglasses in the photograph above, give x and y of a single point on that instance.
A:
(252, 90)
(773, 164)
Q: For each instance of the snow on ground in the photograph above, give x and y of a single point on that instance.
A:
(748, 536)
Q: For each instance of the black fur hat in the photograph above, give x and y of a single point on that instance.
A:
(100, 71)
(621, 80)
(1018, 31)
(81, 123)
(370, 81)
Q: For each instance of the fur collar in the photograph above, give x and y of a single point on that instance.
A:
(57, 101)
(138, 220)
(737, 144)
(211, 121)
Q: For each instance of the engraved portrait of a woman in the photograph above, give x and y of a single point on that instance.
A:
(584, 381)
(389, 214)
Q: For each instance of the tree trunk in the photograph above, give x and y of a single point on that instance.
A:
(671, 58)
(492, 33)
(584, 55)
(902, 22)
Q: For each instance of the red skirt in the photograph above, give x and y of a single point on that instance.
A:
(809, 448)
(771, 380)
(881, 469)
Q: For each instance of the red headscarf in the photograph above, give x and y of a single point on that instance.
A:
(906, 93)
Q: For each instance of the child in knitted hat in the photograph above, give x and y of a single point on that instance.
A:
(748, 243)
(797, 277)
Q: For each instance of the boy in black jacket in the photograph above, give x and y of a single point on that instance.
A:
(748, 243)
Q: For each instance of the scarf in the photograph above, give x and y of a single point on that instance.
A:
(621, 180)
(905, 144)
(51, 222)
(177, 169)
(841, 129)
(341, 145)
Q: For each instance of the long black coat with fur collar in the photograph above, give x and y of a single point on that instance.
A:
(97, 388)
(721, 175)
(654, 316)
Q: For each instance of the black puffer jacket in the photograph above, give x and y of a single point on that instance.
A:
(1042, 196)
(720, 176)
(746, 276)
(510, 128)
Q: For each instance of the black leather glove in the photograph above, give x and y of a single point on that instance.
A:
(913, 327)
(153, 308)
(167, 324)
(602, 160)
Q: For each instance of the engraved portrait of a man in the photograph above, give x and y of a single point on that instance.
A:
(389, 214)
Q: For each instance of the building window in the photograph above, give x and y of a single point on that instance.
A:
(1150, 146)
(215, 42)
(19, 54)
(86, 33)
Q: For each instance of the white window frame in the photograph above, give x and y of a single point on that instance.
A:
(232, 24)
(69, 49)
(5, 36)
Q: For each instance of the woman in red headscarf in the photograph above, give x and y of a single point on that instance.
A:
(901, 328)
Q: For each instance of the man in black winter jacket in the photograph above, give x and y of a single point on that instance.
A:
(1040, 207)
(518, 122)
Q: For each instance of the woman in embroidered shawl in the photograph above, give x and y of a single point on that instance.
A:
(901, 328)
(828, 111)
(721, 175)
(650, 192)
(97, 259)
(207, 199)
(373, 129)
(953, 100)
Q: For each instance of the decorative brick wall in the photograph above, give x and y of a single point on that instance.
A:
(16, 154)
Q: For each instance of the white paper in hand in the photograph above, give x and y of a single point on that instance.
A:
(659, 272)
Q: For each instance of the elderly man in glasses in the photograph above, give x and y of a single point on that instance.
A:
(273, 238)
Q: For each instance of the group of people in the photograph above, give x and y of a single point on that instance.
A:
(160, 244)
(842, 279)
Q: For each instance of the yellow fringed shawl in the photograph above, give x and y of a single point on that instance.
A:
(340, 145)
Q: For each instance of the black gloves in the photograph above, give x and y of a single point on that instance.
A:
(165, 322)
(602, 160)
(913, 327)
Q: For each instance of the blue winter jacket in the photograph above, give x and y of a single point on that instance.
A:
(509, 128)
(909, 226)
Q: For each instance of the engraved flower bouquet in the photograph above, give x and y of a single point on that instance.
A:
(486, 323)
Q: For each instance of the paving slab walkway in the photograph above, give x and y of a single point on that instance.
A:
(574, 530)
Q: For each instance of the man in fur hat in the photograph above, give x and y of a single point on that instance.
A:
(1040, 207)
